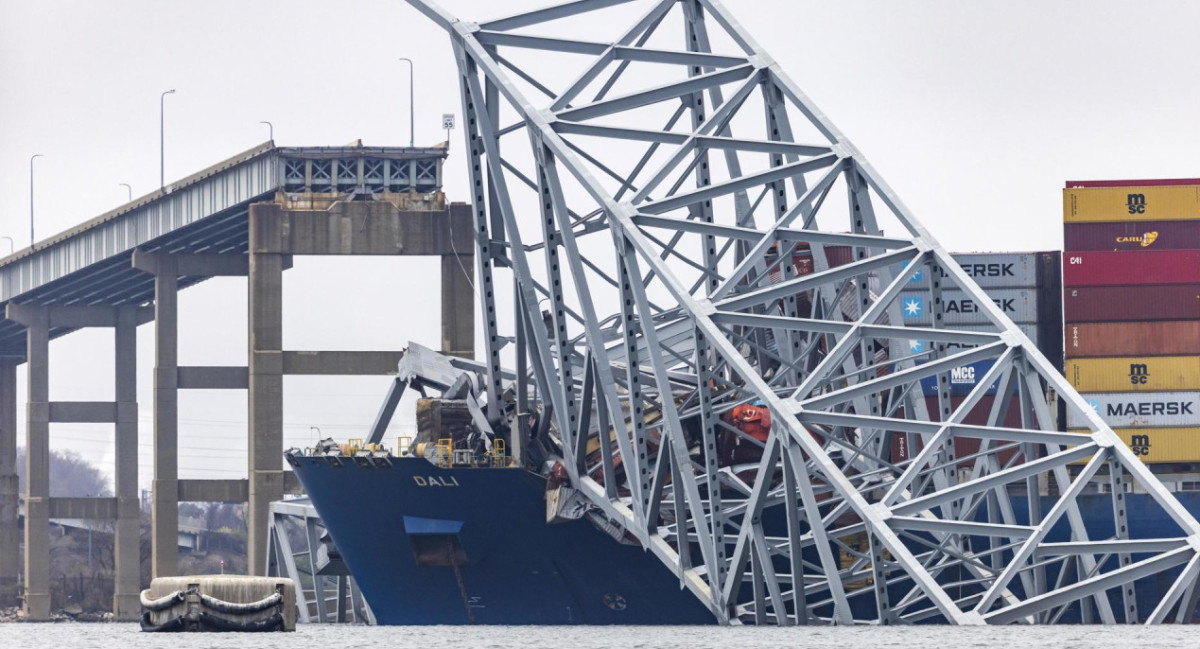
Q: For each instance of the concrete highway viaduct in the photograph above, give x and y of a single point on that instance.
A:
(247, 216)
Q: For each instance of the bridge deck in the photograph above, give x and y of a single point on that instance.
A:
(205, 212)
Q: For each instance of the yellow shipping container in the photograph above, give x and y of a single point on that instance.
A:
(1153, 203)
(1161, 444)
(1134, 374)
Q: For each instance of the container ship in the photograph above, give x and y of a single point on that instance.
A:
(459, 532)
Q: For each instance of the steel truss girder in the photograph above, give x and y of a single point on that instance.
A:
(647, 332)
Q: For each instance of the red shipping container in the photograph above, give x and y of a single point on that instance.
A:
(1093, 268)
(1162, 338)
(1160, 182)
(1132, 235)
(1131, 303)
(963, 446)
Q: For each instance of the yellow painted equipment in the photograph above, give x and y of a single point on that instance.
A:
(1134, 373)
(1152, 203)
(445, 451)
(402, 445)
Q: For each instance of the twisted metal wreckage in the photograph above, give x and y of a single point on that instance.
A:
(665, 258)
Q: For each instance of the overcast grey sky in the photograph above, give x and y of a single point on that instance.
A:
(975, 112)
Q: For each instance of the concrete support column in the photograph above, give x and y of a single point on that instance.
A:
(10, 533)
(165, 515)
(37, 468)
(458, 305)
(265, 398)
(127, 546)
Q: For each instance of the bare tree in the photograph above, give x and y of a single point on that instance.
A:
(70, 475)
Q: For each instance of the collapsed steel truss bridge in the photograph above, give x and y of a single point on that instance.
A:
(648, 189)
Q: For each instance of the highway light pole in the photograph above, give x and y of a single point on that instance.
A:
(271, 130)
(162, 144)
(31, 159)
(129, 189)
(411, 102)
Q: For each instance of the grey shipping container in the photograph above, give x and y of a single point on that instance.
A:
(999, 270)
(1019, 304)
(1141, 409)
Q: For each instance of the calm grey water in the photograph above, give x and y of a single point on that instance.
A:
(127, 636)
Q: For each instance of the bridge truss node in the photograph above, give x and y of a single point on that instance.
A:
(639, 199)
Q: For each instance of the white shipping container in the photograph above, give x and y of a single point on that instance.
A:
(991, 270)
(1019, 304)
(1141, 409)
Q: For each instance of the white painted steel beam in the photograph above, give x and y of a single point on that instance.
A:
(692, 309)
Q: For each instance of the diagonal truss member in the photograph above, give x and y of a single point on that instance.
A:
(654, 195)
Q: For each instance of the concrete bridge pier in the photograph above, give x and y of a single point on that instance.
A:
(339, 227)
(40, 507)
(10, 533)
(169, 378)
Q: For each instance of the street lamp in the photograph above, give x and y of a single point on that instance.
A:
(129, 189)
(162, 144)
(31, 159)
(411, 120)
(271, 130)
(12, 246)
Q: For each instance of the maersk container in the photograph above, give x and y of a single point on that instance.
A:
(919, 344)
(1131, 303)
(961, 380)
(997, 270)
(1132, 235)
(1093, 268)
(1141, 409)
(1132, 203)
(1134, 373)
(1158, 445)
(1019, 304)
(1160, 338)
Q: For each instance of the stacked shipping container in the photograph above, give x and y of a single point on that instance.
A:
(1131, 306)
(1026, 286)
(1028, 289)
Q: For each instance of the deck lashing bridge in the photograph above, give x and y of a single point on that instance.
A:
(662, 256)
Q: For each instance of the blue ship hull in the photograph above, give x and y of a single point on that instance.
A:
(513, 568)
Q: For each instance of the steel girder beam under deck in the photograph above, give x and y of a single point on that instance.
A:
(656, 251)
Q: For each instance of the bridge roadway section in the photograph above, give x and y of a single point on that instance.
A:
(246, 216)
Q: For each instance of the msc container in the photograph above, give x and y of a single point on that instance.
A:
(1093, 268)
(1132, 235)
(1161, 338)
(1131, 303)
(1019, 304)
(1153, 445)
(998, 270)
(1132, 203)
(963, 446)
(1141, 409)
(1134, 374)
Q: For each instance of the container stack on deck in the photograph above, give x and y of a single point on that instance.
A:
(1131, 305)
(1028, 289)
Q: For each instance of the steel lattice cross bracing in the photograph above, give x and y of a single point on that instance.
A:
(643, 192)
